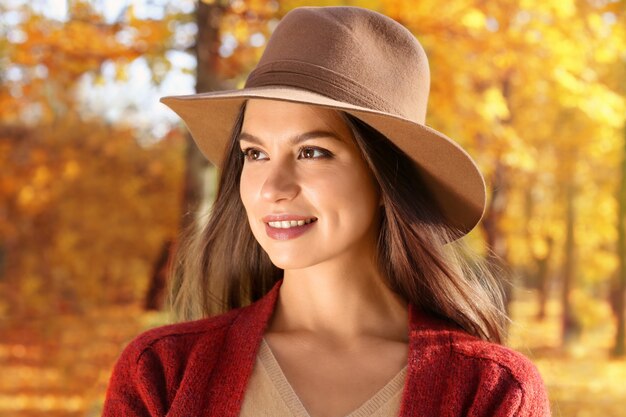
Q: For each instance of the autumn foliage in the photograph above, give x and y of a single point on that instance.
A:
(535, 90)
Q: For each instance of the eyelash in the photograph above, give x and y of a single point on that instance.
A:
(245, 153)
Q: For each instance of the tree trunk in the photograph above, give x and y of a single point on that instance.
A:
(156, 290)
(570, 327)
(543, 263)
(619, 350)
(200, 176)
(542, 260)
(199, 187)
(495, 238)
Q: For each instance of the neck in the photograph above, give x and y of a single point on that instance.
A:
(340, 302)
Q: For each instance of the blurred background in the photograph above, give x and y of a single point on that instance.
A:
(97, 177)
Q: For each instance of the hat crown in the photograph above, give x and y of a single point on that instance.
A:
(349, 54)
(360, 62)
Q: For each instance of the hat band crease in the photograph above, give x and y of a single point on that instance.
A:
(319, 80)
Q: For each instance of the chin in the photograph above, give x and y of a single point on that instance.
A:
(285, 260)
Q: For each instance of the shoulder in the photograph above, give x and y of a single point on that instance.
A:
(150, 369)
(175, 343)
(454, 347)
(472, 376)
(504, 377)
(492, 357)
(463, 350)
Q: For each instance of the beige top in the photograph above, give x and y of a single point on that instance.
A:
(269, 394)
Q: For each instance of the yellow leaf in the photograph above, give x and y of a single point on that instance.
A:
(474, 19)
(42, 176)
(72, 169)
(26, 196)
(494, 106)
(564, 8)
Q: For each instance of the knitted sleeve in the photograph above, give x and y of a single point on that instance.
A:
(164, 371)
(502, 383)
(512, 398)
(534, 401)
(136, 385)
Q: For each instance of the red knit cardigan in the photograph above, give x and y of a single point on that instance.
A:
(201, 368)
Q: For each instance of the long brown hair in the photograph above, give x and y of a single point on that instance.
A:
(221, 266)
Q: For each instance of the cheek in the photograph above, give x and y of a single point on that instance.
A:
(349, 196)
(364, 200)
(247, 189)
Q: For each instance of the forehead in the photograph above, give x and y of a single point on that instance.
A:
(277, 119)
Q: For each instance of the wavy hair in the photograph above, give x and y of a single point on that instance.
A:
(419, 254)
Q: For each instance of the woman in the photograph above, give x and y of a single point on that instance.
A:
(332, 251)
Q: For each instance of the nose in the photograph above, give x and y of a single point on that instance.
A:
(280, 182)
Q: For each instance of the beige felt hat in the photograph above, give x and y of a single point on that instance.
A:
(361, 62)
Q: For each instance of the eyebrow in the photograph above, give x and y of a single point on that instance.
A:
(294, 139)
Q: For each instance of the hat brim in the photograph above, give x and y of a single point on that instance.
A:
(449, 172)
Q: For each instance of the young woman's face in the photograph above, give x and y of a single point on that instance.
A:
(308, 194)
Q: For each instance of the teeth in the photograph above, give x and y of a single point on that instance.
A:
(286, 224)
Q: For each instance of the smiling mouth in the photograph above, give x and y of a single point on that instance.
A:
(287, 224)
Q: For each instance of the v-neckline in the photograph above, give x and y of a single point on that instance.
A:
(225, 385)
(293, 402)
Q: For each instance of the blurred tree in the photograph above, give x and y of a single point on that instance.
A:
(230, 37)
(155, 295)
(199, 177)
(619, 348)
(519, 85)
(84, 203)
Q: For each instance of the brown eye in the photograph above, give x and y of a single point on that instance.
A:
(313, 153)
(252, 154)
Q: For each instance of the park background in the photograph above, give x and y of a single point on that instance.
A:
(97, 177)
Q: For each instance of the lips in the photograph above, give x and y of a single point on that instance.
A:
(287, 226)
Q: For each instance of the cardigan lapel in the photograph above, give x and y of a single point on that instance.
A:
(236, 362)
(429, 351)
(428, 361)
